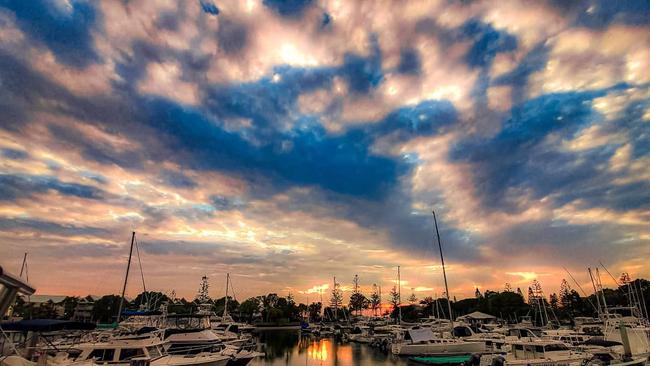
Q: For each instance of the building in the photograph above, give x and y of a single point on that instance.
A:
(83, 312)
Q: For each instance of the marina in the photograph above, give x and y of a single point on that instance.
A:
(324, 183)
(617, 336)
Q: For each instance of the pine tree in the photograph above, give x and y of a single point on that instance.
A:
(413, 299)
(375, 300)
(357, 300)
(553, 301)
(394, 299)
(336, 300)
(203, 296)
(565, 295)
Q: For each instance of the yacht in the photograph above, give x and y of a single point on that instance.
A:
(413, 342)
(541, 352)
(146, 348)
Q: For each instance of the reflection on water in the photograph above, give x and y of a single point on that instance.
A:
(289, 348)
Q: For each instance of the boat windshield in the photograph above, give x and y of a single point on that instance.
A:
(130, 353)
(154, 352)
(555, 347)
(102, 354)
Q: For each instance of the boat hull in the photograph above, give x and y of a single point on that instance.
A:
(437, 348)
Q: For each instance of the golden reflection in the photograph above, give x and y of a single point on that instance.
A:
(318, 350)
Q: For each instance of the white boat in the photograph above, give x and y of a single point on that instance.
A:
(413, 342)
(567, 336)
(150, 349)
(543, 353)
(239, 356)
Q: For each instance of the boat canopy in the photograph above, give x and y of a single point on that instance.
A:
(420, 335)
(45, 325)
(477, 315)
(601, 343)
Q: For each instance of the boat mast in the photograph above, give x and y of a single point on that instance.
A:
(444, 273)
(126, 278)
(225, 308)
(24, 269)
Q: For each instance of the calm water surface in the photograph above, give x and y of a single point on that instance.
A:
(289, 348)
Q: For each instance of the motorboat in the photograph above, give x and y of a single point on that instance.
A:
(540, 352)
(413, 342)
(150, 348)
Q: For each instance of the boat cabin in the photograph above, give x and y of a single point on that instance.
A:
(523, 333)
(539, 349)
(120, 352)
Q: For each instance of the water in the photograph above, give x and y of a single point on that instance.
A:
(289, 348)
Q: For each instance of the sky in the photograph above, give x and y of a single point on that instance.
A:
(288, 142)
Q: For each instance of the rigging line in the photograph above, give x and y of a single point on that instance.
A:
(234, 296)
(137, 251)
(610, 275)
(581, 289)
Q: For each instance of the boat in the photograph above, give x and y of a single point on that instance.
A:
(446, 360)
(540, 352)
(415, 342)
(146, 348)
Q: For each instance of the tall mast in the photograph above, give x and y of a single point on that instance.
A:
(24, 269)
(591, 276)
(602, 292)
(225, 308)
(126, 278)
(444, 273)
(399, 296)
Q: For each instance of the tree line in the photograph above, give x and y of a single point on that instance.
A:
(507, 304)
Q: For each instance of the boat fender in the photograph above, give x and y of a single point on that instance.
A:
(498, 361)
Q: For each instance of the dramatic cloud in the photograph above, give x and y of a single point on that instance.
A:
(287, 142)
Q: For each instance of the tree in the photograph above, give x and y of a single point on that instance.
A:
(150, 300)
(220, 304)
(336, 299)
(565, 294)
(375, 300)
(394, 301)
(315, 310)
(105, 309)
(203, 297)
(69, 305)
(268, 304)
(249, 308)
(413, 299)
(477, 293)
(358, 301)
(553, 301)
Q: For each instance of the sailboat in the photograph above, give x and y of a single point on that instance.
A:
(423, 341)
